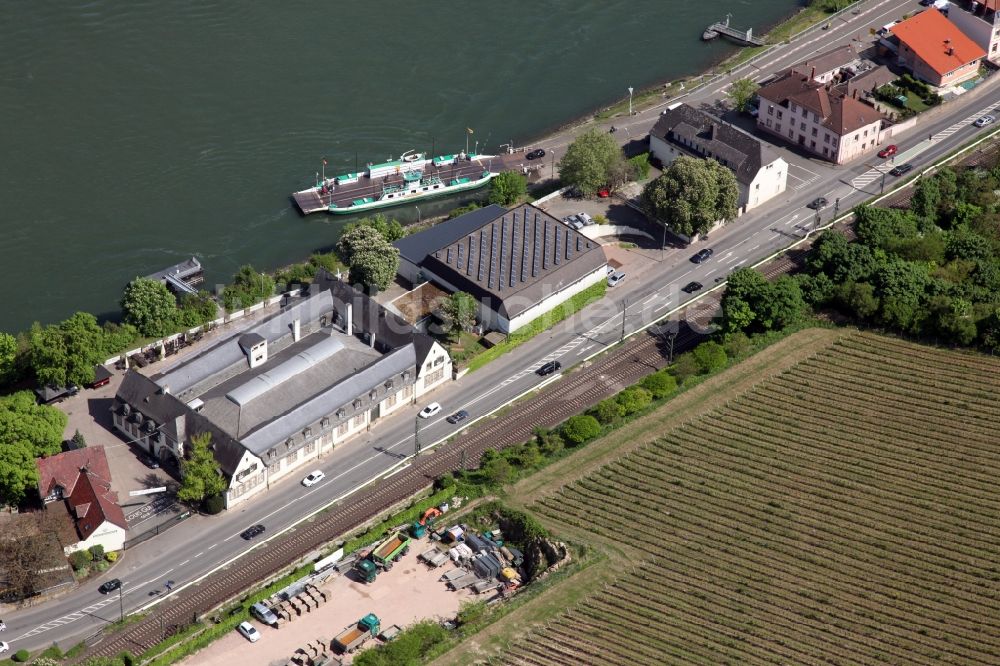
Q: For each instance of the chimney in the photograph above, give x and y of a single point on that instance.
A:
(854, 94)
(349, 325)
(950, 51)
(812, 74)
(296, 330)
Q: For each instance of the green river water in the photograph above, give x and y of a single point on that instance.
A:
(135, 134)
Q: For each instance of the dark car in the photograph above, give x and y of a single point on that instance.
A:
(458, 416)
(901, 170)
(535, 154)
(817, 203)
(251, 532)
(151, 462)
(72, 389)
(549, 368)
(691, 287)
(702, 256)
(109, 586)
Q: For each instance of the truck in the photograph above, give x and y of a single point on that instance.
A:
(354, 635)
(391, 550)
(366, 570)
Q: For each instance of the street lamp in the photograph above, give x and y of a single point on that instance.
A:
(630, 100)
(416, 435)
(121, 603)
(624, 308)
(418, 214)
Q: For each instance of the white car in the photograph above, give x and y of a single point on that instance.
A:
(313, 478)
(4, 647)
(585, 218)
(430, 410)
(249, 631)
(984, 121)
(615, 278)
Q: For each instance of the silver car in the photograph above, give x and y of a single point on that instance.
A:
(984, 121)
(586, 219)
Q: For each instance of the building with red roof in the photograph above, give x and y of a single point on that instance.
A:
(936, 50)
(82, 479)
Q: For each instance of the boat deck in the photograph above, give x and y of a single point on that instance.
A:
(342, 196)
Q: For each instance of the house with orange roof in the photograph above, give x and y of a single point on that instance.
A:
(980, 21)
(936, 50)
(82, 479)
(818, 117)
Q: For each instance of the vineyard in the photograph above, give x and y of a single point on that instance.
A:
(842, 512)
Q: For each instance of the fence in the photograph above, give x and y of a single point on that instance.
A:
(157, 529)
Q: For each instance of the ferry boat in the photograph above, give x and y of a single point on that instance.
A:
(413, 177)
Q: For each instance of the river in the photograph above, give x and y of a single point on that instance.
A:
(137, 133)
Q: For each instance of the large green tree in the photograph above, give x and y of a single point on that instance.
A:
(372, 261)
(741, 93)
(201, 477)
(8, 358)
(459, 312)
(593, 161)
(389, 228)
(507, 188)
(27, 431)
(751, 303)
(248, 287)
(692, 195)
(149, 306)
(67, 352)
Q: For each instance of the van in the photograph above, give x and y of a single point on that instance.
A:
(264, 614)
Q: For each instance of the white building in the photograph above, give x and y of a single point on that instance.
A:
(979, 21)
(518, 264)
(683, 130)
(284, 392)
(818, 118)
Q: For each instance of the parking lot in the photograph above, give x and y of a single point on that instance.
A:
(409, 592)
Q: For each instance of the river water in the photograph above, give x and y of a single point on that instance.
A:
(137, 133)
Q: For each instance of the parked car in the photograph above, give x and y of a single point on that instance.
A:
(984, 121)
(604, 193)
(549, 368)
(4, 647)
(888, 151)
(615, 278)
(691, 287)
(901, 170)
(570, 219)
(249, 631)
(72, 389)
(313, 478)
(816, 204)
(458, 417)
(535, 154)
(577, 224)
(251, 532)
(260, 611)
(109, 586)
(430, 410)
(151, 462)
(702, 256)
(586, 219)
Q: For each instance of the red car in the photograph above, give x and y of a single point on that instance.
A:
(604, 193)
(888, 151)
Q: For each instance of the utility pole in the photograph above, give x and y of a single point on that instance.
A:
(121, 603)
(462, 464)
(883, 183)
(630, 100)
(671, 336)
(663, 245)
(836, 207)
(624, 308)
(416, 436)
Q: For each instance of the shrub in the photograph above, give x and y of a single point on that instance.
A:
(21, 655)
(446, 481)
(600, 219)
(633, 399)
(213, 504)
(101, 565)
(46, 660)
(96, 552)
(79, 559)
(736, 344)
(111, 557)
(471, 612)
(498, 471)
(550, 443)
(659, 384)
(638, 166)
(684, 367)
(578, 429)
(710, 357)
(606, 411)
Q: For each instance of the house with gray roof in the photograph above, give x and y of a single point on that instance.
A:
(283, 392)
(683, 130)
(518, 264)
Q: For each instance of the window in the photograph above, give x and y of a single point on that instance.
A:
(826, 138)
(310, 447)
(770, 111)
(825, 151)
(857, 136)
(273, 467)
(768, 123)
(793, 107)
(802, 127)
(779, 114)
(777, 128)
(434, 377)
(866, 134)
(358, 420)
(390, 401)
(791, 133)
(438, 361)
(342, 429)
(814, 131)
(812, 144)
(292, 457)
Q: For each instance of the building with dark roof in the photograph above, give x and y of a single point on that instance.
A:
(284, 391)
(517, 263)
(819, 118)
(82, 479)
(826, 67)
(683, 130)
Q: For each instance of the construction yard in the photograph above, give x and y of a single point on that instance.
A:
(409, 592)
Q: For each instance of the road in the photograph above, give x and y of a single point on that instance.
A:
(201, 545)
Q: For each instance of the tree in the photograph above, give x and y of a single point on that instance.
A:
(149, 306)
(27, 431)
(200, 473)
(741, 93)
(79, 440)
(580, 428)
(196, 309)
(784, 306)
(459, 312)
(633, 399)
(926, 198)
(67, 352)
(389, 229)
(498, 471)
(8, 358)
(710, 357)
(964, 244)
(606, 410)
(692, 195)
(507, 188)
(372, 261)
(859, 298)
(684, 367)
(737, 345)
(989, 331)
(249, 287)
(660, 384)
(590, 162)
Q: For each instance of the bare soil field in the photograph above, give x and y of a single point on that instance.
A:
(839, 510)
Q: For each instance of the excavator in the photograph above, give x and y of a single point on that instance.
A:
(419, 528)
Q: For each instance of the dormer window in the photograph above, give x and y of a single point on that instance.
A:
(288, 443)
(307, 433)
(357, 404)
(341, 413)
(325, 422)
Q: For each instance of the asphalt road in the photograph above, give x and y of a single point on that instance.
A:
(200, 545)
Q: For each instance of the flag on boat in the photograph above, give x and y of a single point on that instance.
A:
(324, 161)
(469, 130)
